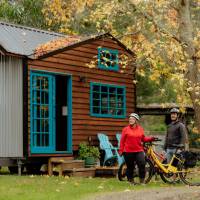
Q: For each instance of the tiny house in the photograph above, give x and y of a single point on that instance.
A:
(55, 95)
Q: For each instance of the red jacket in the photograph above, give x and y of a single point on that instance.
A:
(132, 138)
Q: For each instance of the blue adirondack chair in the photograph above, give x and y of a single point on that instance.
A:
(118, 137)
(111, 153)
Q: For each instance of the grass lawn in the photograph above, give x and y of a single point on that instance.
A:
(56, 188)
(29, 187)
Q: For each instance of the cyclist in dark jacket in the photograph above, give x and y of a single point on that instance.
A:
(176, 134)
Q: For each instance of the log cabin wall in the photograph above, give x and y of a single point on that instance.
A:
(74, 61)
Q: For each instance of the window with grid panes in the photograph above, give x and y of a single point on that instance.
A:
(41, 111)
(108, 59)
(107, 100)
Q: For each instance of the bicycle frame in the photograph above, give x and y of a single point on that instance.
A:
(170, 173)
(166, 168)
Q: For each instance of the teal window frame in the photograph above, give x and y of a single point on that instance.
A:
(51, 149)
(112, 57)
(39, 132)
(107, 100)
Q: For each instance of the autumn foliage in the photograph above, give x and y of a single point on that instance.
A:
(165, 35)
(55, 45)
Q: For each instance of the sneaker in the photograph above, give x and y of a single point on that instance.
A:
(142, 181)
(131, 181)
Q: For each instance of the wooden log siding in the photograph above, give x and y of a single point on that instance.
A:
(73, 61)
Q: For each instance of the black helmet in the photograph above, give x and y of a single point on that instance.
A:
(174, 110)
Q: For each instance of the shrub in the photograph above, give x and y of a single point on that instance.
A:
(88, 151)
(194, 139)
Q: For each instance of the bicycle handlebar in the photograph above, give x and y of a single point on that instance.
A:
(154, 140)
(157, 140)
(177, 145)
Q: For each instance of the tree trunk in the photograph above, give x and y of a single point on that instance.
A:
(186, 36)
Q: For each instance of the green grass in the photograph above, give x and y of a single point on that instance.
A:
(13, 187)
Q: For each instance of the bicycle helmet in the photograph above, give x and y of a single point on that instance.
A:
(135, 115)
(174, 110)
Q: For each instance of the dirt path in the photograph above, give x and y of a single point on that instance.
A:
(168, 193)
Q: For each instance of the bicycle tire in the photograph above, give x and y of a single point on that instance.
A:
(122, 172)
(149, 171)
(170, 178)
(191, 176)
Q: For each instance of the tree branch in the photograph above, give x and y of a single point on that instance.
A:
(161, 29)
(128, 34)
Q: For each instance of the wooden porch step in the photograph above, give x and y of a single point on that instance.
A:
(106, 171)
(69, 166)
(73, 164)
(60, 159)
(63, 163)
(81, 172)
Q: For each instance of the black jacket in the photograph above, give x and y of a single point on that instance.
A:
(176, 134)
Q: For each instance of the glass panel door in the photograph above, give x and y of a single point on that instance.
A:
(42, 92)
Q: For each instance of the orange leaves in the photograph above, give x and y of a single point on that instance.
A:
(172, 18)
(92, 63)
(90, 3)
(172, 14)
(57, 12)
(195, 130)
(80, 5)
(55, 44)
(62, 13)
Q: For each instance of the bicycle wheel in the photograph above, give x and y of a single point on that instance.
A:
(149, 172)
(170, 178)
(190, 176)
(122, 172)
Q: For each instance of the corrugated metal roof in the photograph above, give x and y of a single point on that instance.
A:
(23, 40)
(33, 42)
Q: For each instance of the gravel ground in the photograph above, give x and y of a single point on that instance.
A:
(167, 193)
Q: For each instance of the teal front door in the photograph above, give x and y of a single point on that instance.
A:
(42, 92)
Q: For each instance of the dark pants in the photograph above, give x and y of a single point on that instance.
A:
(135, 158)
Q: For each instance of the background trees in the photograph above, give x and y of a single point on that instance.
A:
(164, 34)
(24, 12)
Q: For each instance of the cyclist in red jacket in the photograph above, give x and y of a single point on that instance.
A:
(131, 147)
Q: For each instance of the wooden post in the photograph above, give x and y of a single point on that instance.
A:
(50, 167)
(60, 169)
(19, 164)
